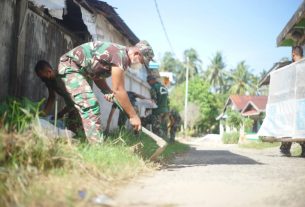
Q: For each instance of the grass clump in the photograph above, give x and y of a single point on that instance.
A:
(230, 138)
(40, 171)
(17, 115)
(145, 146)
(259, 144)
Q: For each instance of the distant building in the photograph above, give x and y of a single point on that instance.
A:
(252, 107)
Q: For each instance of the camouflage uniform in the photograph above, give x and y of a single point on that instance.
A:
(175, 121)
(159, 116)
(286, 146)
(78, 66)
(72, 118)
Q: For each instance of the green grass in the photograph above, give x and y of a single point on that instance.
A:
(230, 138)
(259, 144)
(146, 146)
(39, 171)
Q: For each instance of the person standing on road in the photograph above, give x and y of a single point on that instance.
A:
(174, 124)
(159, 116)
(94, 62)
(297, 54)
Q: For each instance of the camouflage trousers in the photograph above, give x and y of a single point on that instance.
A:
(159, 124)
(172, 132)
(83, 97)
(73, 122)
(285, 146)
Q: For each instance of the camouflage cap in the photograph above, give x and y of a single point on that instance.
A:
(146, 51)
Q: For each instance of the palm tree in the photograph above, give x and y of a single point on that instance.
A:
(241, 80)
(194, 63)
(168, 63)
(215, 74)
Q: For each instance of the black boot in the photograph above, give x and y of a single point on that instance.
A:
(303, 149)
(285, 148)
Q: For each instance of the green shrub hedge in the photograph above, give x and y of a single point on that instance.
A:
(230, 138)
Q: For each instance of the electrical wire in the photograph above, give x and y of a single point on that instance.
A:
(164, 29)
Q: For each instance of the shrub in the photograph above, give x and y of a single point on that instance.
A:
(234, 119)
(230, 138)
(18, 115)
(248, 124)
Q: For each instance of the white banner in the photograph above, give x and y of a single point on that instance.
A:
(285, 110)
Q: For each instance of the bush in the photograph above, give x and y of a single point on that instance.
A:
(17, 115)
(230, 138)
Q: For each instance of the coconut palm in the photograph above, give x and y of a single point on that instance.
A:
(168, 63)
(194, 62)
(215, 73)
(241, 80)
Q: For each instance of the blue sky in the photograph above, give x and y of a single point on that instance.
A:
(240, 29)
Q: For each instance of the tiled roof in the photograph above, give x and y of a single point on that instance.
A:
(241, 101)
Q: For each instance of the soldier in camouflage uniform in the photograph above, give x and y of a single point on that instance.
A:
(56, 86)
(174, 124)
(159, 116)
(94, 62)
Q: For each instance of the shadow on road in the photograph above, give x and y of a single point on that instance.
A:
(210, 157)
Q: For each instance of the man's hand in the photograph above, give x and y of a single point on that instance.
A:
(109, 97)
(136, 123)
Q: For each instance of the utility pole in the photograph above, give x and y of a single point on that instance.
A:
(186, 94)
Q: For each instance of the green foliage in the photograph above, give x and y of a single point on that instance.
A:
(200, 95)
(144, 145)
(230, 138)
(248, 124)
(242, 80)
(215, 73)
(234, 120)
(170, 64)
(194, 62)
(17, 115)
(33, 166)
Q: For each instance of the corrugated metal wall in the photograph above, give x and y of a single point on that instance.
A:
(28, 35)
(7, 19)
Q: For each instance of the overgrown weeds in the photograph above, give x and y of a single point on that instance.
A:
(230, 138)
(17, 115)
(40, 171)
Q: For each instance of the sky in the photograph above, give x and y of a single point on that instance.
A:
(239, 29)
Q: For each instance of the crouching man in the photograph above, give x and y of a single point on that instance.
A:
(94, 62)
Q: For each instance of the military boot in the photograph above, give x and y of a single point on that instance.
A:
(285, 148)
(303, 149)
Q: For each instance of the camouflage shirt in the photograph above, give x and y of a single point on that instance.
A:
(159, 94)
(95, 59)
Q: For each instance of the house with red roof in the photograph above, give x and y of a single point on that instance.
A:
(252, 107)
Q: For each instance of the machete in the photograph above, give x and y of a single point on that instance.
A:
(159, 141)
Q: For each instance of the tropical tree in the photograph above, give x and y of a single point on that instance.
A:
(241, 80)
(194, 62)
(171, 64)
(200, 95)
(215, 73)
(168, 63)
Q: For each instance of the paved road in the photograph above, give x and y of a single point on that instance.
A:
(216, 175)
